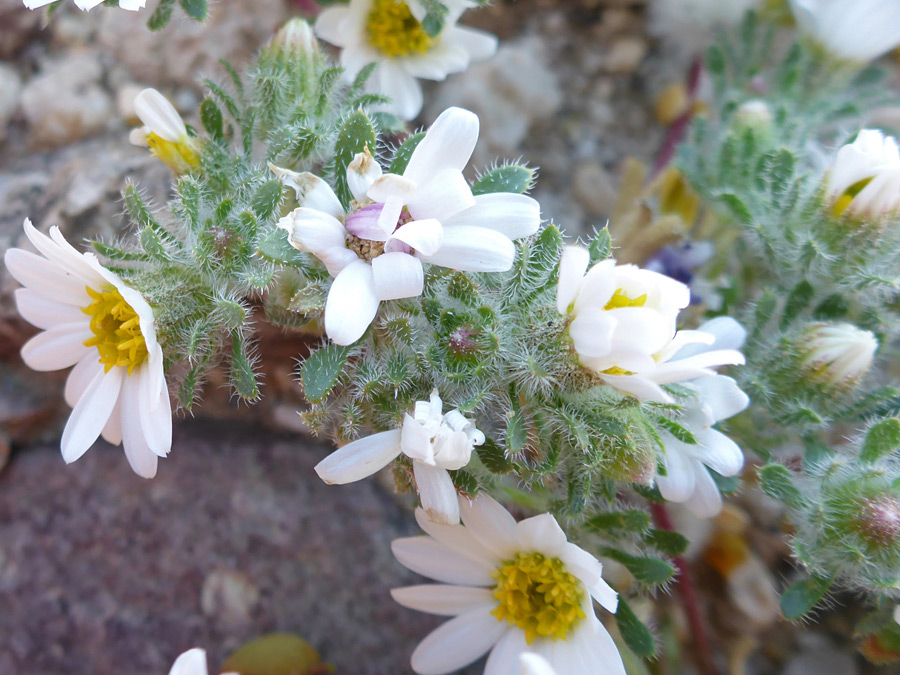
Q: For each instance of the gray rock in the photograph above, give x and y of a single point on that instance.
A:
(66, 101)
(10, 90)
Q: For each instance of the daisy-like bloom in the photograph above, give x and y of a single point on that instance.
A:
(838, 353)
(395, 223)
(716, 398)
(864, 181)
(192, 662)
(621, 320)
(435, 442)
(91, 320)
(511, 588)
(860, 30)
(164, 132)
(390, 33)
(85, 5)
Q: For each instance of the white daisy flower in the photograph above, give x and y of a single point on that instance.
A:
(511, 588)
(91, 320)
(396, 223)
(864, 180)
(717, 398)
(390, 33)
(858, 30)
(164, 132)
(435, 442)
(838, 353)
(86, 5)
(621, 320)
(192, 662)
(897, 613)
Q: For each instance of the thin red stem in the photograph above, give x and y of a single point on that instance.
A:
(679, 127)
(688, 592)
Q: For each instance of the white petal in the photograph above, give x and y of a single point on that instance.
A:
(154, 406)
(392, 185)
(572, 266)
(415, 437)
(397, 275)
(592, 331)
(456, 538)
(337, 258)
(91, 414)
(402, 88)
(132, 5)
(490, 523)
(444, 195)
(727, 334)
(360, 459)
(722, 396)
(639, 387)
(57, 348)
(696, 366)
(458, 642)
(192, 662)
(361, 173)
(718, 452)
(587, 568)
(41, 276)
(432, 559)
(352, 304)
(534, 664)
(479, 44)
(80, 377)
(437, 493)
(541, 533)
(112, 432)
(705, 501)
(448, 144)
(424, 236)
(599, 647)
(506, 656)
(474, 249)
(441, 599)
(157, 113)
(510, 214)
(140, 456)
(44, 313)
(312, 192)
(678, 483)
(62, 254)
(597, 286)
(330, 25)
(312, 230)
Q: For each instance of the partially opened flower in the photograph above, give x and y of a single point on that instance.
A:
(716, 398)
(164, 132)
(91, 320)
(435, 442)
(838, 353)
(864, 181)
(621, 320)
(85, 5)
(390, 33)
(192, 662)
(512, 589)
(858, 30)
(395, 223)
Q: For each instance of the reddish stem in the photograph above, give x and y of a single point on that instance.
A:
(688, 592)
(679, 127)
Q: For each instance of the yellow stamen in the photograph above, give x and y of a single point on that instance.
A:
(117, 330)
(621, 299)
(538, 595)
(180, 157)
(843, 202)
(394, 31)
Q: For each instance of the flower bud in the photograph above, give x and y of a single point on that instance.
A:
(756, 115)
(296, 41)
(838, 353)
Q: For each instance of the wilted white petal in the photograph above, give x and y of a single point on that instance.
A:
(437, 493)
(312, 192)
(424, 236)
(446, 194)
(397, 275)
(474, 249)
(513, 215)
(352, 304)
(360, 459)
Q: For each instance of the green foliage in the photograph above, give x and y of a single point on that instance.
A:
(356, 135)
(515, 178)
(322, 370)
(802, 596)
(636, 635)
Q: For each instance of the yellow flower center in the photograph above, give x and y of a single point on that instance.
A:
(180, 157)
(843, 202)
(117, 330)
(621, 299)
(394, 31)
(538, 595)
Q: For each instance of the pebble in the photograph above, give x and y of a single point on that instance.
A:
(229, 597)
(66, 101)
(625, 55)
(594, 188)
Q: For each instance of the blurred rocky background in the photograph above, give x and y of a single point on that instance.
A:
(102, 572)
